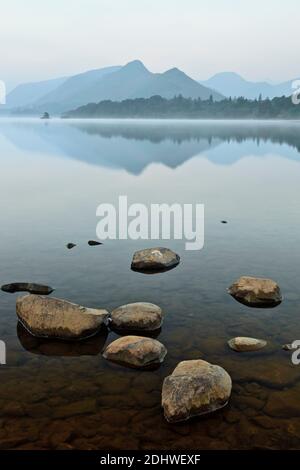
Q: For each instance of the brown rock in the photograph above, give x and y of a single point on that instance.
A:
(56, 318)
(136, 351)
(195, 387)
(154, 259)
(244, 344)
(142, 316)
(256, 292)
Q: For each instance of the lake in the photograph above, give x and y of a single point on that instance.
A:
(54, 174)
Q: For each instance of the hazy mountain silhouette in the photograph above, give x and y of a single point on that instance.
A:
(133, 80)
(28, 93)
(231, 84)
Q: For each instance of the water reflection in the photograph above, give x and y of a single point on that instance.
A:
(50, 347)
(144, 142)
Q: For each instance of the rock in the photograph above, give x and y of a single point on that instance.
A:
(27, 287)
(256, 292)
(243, 344)
(56, 318)
(154, 260)
(195, 388)
(136, 351)
(70, 246)
(94, 243)
(289, 347)
(137, 316)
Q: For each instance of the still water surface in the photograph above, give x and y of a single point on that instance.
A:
(53, 176)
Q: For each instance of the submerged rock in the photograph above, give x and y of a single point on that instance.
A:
(137, 316)
(94, 243)
(56, 318)
(154, 260)
(256, 292)
(27, 287)
(244, 344)
(70, 245)
(195, 388)
(136, 351)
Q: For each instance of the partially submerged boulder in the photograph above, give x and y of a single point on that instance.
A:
(195, 388)
(154, 260)
(136, 351)
(55, 318)
(137, 316)
(244, 344)
(27, 287)
(256, 292)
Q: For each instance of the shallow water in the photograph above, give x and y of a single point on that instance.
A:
(53, 176)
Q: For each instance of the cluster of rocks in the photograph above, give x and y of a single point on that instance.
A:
(71, 245)
(195, 387)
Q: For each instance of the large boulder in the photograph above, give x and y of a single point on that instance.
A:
(142, 316)
(195, 388)
(154, 260)
(256, 292)
(244, 344)
(46, 317)
(136, 351)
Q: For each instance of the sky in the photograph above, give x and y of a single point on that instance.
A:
(41, 39)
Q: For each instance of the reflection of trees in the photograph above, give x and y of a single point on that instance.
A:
(156, 132)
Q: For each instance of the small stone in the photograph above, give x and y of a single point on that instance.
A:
(244, 344)
(71, 245)
(94, 243)
(256, 292)
(195, 388)
(55, 318)
(27, 287)
(137, 316)
(289, 347)
(154, 260)
(136, 351)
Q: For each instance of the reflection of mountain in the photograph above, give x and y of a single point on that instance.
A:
(133, 145)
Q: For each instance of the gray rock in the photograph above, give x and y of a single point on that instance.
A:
(256, 292)
(195, 388)
(70, 245)
(27, 287)
(142, 316)
(55, 318)
(136, 351)
(154, 260)
(244, 344)
(94, 243)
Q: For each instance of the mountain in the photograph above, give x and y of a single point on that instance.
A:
(28, 93)
(232, 84)
(75, 89)
(133, 80)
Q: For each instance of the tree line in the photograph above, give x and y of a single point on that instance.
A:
(180, 107)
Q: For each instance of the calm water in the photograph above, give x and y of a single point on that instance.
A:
(53, 176)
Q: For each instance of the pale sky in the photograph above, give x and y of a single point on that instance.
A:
(41, 39)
